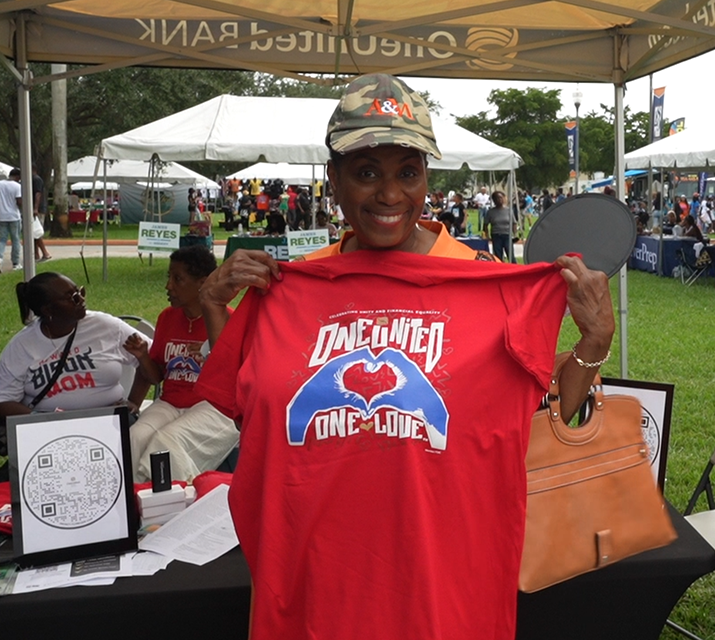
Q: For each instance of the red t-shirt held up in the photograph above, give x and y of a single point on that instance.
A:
(385, 401)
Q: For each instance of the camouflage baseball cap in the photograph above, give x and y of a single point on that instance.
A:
(378, 109)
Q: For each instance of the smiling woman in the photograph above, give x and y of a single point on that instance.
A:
(391, 460)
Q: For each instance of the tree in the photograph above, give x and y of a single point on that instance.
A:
(526, 122)
(104, 104)
(596, 144)
(445, 181)
(598, 137)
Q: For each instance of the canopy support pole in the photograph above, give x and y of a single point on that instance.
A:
(620, 191)
(23, 103)
(312, 199)
(105, 228)
(510, 207)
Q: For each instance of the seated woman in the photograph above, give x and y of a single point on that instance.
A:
(322, 222)
(92, 367)
(434, 208)
(669, 223)
(690, 229)
(198, 436)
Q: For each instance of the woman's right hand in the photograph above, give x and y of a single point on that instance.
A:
(244, 268)
(137, 346)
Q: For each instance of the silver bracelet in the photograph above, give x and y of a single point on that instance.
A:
(589, 365)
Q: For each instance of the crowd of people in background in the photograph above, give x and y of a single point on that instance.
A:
(271, 207)
(689, 218)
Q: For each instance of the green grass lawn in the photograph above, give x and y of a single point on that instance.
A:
(131, 231)
(669, 338)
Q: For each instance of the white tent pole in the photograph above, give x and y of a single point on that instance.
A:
(620, 191)
(105, 229)
(649, 202)
(313, 199)
(511, 213)
(23, 103)
(519, 212)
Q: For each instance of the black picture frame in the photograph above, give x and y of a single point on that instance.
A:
(71, 485)
(656, 400)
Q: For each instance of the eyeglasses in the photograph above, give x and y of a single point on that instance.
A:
(78, 296)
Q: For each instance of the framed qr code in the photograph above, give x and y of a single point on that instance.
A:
(71, 485)
(656, 408)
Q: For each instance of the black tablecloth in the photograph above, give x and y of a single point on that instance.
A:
(629, 600)
(182, 601)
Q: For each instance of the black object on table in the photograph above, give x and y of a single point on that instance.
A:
(629, 600)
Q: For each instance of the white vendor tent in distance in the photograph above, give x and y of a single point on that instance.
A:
(5, 170)
(247, 129)
(98, 186)
(135, 170)
(300, 174)
(689, 149)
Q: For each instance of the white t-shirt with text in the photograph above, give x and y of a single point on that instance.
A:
(90, 377)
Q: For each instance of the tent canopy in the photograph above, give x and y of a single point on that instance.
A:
(301, 174)
(578, 40)
(134, 170)
(98, 186)
(689, 149)
(288, 130)
(631, 173)
(5, 170)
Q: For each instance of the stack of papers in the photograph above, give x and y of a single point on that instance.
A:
(199, 534)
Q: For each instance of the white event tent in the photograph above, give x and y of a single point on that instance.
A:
(5, 170)
(689, 149)
(245, 129)
(300, 174)
(134, 171)
(88, 185)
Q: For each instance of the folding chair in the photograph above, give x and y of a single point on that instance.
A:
(703, 522)
(127, 377)
(691, 270)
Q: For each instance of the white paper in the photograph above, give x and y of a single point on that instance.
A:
(91, 582)
(72, 574)
(147, 563)
(201, 533)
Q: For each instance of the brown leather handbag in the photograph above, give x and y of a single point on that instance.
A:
(591, 496)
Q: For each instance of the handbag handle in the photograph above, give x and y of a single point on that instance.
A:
(585, 432)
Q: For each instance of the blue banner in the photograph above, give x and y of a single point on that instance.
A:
(656, 114)
(571, 145)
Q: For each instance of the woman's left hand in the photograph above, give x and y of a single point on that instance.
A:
(589, 300)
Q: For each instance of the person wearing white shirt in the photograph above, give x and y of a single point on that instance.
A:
(92, 369)
(10, 217)
(483, 201)
(705, 214)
